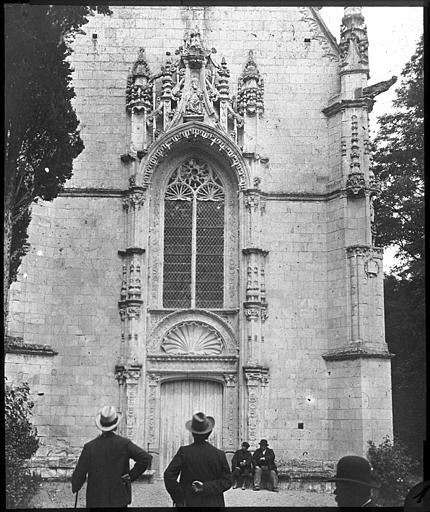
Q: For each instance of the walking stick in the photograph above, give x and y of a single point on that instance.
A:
(76, 499)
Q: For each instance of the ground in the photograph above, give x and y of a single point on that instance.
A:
(59, 495)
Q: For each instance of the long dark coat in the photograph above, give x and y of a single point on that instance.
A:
(198, 461)
(269, 457)
(105, 459)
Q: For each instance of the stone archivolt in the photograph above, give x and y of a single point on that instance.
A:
(203, 134)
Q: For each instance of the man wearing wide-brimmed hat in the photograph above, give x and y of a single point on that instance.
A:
(354, 482)
(203, 470)
(264, 464)
(105, 460)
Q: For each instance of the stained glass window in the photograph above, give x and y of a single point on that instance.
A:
(193, 238)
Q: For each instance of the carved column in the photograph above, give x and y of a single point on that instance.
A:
(128, 378)
(256, 380)
(152, 421)
(230, 411)
(255, 304)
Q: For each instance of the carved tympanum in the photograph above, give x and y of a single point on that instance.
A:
(192, 338)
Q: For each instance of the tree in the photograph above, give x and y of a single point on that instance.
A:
(21, 443)
(41, 127)
(398, 161)
(398, 156)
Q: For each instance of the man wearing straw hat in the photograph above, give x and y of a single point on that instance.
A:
(204, 471)
(105, 460)
(354, 482)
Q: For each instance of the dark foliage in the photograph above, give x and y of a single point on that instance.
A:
(394, 469)
(405, 335)
(398, 161)
(21, 443)
(41, 127)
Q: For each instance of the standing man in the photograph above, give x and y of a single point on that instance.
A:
(204, 474)
(354, 482)
(106, 462)
(241, 466)
(264, 462)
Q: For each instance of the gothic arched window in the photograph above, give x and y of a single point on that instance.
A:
(193, 238)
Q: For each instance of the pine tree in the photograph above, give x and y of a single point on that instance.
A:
(41, 127)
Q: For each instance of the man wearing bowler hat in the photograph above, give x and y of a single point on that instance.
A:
(264, 464)
(105, 460)
(354, 482)
(203, 470)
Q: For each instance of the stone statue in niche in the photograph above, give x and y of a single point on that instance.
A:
(194, 104)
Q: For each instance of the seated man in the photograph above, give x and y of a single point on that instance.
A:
(264, 462)
(241, 466)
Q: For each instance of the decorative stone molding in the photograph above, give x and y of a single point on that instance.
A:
(195, 131)
(319, 32)
(356, 352)
(154, 379)
(356, 184)
(192, 338)
(191, 358)
(364, 250)
(230, 379)
(254, 200)
(134, 199)
(355, 147)
(16, 345)
(252, 311)
(342, 105)
(256, 375)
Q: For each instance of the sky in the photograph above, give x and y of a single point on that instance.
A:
(393, 34)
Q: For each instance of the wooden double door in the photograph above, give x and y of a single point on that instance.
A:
(180, 399)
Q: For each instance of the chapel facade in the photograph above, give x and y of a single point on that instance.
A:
(214, 249)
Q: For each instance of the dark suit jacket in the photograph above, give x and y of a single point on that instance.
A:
(105, 460)
(238, 457)
(269, 459)
(198, 461)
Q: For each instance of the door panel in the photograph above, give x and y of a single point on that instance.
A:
(180, 399)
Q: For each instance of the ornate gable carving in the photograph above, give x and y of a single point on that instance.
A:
(320, 32)
(191, 87)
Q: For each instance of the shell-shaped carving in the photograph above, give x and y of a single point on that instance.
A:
(192, 338)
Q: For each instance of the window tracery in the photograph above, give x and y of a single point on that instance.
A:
(194, 238)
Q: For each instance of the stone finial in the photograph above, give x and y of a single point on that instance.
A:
(140, 67)
(193, 52)
(251, 88)
(139, 86)
(353, 35)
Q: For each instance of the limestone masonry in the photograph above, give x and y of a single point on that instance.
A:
(214, 248)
